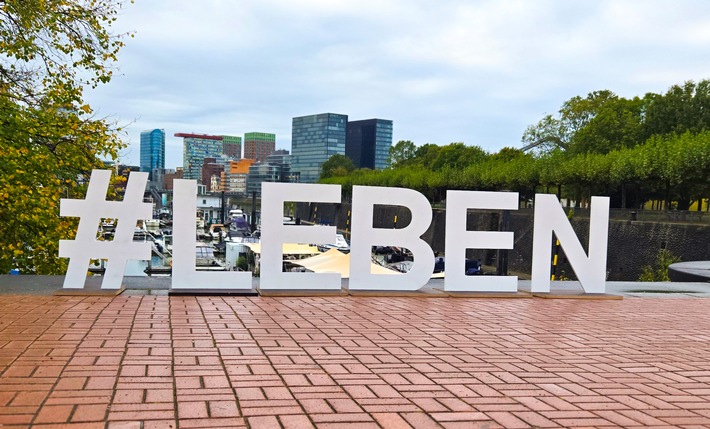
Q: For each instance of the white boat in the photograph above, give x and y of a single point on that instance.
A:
(340, 244)
(217, 231)
(237, 213)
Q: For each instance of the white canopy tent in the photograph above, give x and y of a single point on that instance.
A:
(334, 261)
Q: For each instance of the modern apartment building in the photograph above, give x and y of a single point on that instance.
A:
(258, 146)
(195, 148)
(368, 143)
(232, 147)
(314, 139)
(152, 151)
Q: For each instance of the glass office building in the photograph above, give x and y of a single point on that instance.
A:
(275, 168)
(195, 148)
(152, 151)
(368, 143)
(314, 139)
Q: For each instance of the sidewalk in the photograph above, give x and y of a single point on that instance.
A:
(143, 361)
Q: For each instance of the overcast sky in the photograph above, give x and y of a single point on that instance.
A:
(444, 71)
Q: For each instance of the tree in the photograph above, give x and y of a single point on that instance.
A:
(615, 124)
(680, 109)
(575, 115)
(52, 51)
(336, 166)
(547, 135)
(425, 155)
(401, 152)
(457, 156)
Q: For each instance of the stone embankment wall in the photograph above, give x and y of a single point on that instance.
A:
(632, 244)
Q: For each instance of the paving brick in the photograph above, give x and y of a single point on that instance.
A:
(28, 398)
(535, 419)
(223, 409)
(453, 416)
(296, 422)
(352, 362)
(54, 414)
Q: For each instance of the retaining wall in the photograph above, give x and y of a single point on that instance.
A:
(632, 244)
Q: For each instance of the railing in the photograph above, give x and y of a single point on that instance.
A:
(638, 215)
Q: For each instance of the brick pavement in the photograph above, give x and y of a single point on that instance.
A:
(233, 362)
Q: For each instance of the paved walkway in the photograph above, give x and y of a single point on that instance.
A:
(192, 362)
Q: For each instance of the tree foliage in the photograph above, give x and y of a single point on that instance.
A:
(680, 109)
(671, 168)
(52, 51)
(336, 166)
(600, 122)
(401, 152)
(633, 150)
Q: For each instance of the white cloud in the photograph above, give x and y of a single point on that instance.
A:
(477, 71)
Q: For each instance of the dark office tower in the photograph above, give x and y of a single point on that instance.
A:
(368, 143)
(232, 147)
(258, 146)
(152, 151)
(314, 139)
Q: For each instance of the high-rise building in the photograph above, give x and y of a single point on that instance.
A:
(368, 143)
(258, 146)
(232, 147)
(212, 169)
(276, 168)
(234, 178)
(314, 139)
(195, 148)
(169, 176)
(152, 151)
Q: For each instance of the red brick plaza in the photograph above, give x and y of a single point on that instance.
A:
(360, 362)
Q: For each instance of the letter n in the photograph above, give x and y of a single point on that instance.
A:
(549, 218)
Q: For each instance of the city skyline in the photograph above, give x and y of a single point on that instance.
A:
(473, 71)
(268, 137)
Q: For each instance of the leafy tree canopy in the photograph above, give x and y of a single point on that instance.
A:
(52, 51)
(680, 109)
(337, 165)
(454, 156)
(602, 121)
(401, 152)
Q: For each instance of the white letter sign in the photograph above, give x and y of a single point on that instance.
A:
(185, 276)
(549, 218)
(458, 239)
(365, 236)
(274, 234)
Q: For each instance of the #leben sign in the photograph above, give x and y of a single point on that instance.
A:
(550, 218)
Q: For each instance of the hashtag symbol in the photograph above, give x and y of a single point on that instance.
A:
(90, 211)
